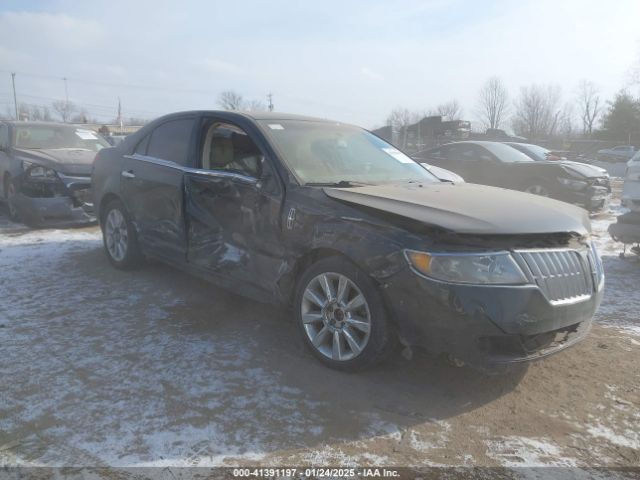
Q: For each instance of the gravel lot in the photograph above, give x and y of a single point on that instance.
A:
(155, 368)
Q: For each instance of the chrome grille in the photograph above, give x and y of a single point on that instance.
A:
(564, 276)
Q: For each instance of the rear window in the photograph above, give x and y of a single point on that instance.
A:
(505, 153)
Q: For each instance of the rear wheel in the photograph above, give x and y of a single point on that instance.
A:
(341, 315)
(119, 237)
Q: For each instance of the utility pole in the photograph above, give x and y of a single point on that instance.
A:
(270, 97)
(15, 102)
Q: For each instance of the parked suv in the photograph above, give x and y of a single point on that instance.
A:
(366, 245)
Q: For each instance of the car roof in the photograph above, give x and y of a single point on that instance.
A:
(523, 144)
(253, 115)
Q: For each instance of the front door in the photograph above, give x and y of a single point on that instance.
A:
(233, 208)
(153, 187)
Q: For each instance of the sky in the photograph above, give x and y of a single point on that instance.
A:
(352, 61)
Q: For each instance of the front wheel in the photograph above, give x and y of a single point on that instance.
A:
(10, 189)
(119, 237)
(538, 189)
(341, 315)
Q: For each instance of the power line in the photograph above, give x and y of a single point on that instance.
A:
(113, 84)
(107, 108)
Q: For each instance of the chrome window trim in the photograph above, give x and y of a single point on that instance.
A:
(196, 171)
(222, 174)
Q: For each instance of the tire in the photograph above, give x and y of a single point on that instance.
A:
(351, 330)
(9, 191)
(536, 188)
(119, 237)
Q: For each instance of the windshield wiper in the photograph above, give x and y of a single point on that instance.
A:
(340, 184)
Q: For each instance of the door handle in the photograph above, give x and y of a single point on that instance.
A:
(128, 174)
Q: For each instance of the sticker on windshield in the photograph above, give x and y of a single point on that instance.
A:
(398, 155)
(276, 126)
(86, 135)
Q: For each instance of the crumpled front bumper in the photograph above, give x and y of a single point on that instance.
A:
(68, 202)
(485, 326)
(593, 198)
(51, 212)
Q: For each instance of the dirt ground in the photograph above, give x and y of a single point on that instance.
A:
(155, 368)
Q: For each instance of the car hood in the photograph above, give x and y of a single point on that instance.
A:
(69, 161)
(469, 208)
(583, 169)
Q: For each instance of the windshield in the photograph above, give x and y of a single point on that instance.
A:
(322, 152)
(57, 136)
(505, 153)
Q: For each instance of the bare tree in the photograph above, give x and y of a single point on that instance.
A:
(230, 100)
(536, 111)
(81, 117)
(399, 119)
(254, 106)
(589, 105)
(64, 108)
(35, 113)
(493, 103)
(450, 110)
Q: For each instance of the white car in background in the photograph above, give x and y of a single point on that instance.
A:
(631, 189)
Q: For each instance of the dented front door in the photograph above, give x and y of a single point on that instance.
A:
(232, 207)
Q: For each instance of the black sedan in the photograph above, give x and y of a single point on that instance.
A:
(46, 172)
(366, 245)
(500, 165)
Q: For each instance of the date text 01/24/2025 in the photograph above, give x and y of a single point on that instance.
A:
(314, 472)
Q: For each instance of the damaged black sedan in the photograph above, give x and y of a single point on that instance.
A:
(366, 245)
(46, 172)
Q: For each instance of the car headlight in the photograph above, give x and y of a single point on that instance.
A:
(497, 268)
(573, 184)
(36, 172)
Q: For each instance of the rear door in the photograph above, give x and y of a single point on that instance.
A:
(153, 186)
(234, 201)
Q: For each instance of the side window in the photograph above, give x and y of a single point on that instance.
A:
(141, 148)
(4, 136)
(464, 152)
(227, 147)
(483, 154)
(171, 140)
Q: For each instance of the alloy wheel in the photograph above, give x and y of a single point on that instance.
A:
(336, 316)
(116, 235)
